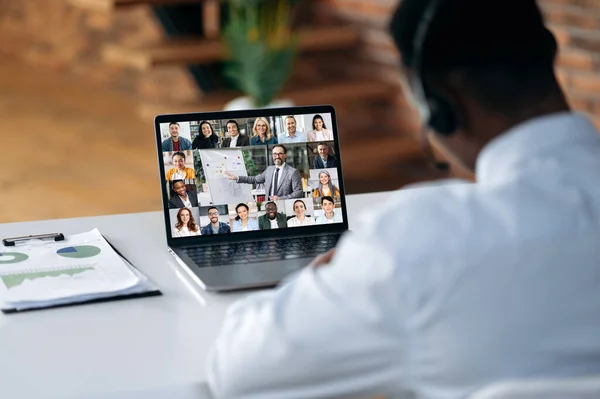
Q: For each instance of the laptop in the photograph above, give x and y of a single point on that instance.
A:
(250, 196)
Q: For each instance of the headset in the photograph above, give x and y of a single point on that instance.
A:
(435, 111)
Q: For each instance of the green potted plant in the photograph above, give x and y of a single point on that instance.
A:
(260, 51)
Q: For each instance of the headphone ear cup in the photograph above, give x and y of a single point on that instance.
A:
(442, 118)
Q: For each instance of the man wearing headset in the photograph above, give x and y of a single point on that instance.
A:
(451, 286)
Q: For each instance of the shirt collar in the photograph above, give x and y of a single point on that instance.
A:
(505, 156)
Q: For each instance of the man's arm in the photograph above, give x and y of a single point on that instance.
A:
(260, 179)
(336, 330)
(297, 191)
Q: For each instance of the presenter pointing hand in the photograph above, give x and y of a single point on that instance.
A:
(231, 176)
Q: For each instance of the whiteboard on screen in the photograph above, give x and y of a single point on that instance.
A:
(222, 190)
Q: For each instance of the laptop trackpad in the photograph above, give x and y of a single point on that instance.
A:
(248, 275)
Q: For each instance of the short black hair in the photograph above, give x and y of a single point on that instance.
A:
(173, 123)
(232, 121)
(327, 198)
(502, 50)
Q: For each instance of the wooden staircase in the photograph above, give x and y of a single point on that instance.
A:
(208, 50)
(314, 81)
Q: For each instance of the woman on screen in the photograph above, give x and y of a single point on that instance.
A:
(325, 186)
(300, 219)
(261, 133)
(180, 171)
(242, 222)
(319, 132)
(207, 137)
(186, 225)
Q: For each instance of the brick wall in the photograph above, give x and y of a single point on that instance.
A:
(576, 24)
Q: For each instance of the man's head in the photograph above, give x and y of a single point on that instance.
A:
(213, 215)
(290, 124)
(279, 154)
(475, 68)
(323, 150)
(233, 128)
(271, 209)
(174, 130)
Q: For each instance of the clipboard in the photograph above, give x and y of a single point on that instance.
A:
(152, 291)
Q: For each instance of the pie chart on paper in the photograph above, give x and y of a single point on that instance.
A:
(12, 257)
(79, 251)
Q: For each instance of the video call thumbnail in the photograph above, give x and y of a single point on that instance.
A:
(247, 174)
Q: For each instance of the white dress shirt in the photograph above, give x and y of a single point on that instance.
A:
(186, 201)
(185, 232)
(294, 222)
(233, 141)
(444, 288)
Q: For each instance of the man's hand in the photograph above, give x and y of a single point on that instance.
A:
(323, 259)
(274, 198)
(230, 176)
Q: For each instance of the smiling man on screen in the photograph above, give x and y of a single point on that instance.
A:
(449, 286)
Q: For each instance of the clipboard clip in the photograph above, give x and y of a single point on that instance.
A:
(11, 242)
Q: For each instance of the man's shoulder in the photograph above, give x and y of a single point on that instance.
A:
(421, 218)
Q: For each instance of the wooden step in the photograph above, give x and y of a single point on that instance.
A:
(328, 93)
(203, 51)
(111, 5)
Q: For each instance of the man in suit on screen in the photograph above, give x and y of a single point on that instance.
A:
(324, 159)
(281, 180)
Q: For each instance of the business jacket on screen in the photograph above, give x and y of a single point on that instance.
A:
(242, 141)
(177, 202)
(327, 135)
(319, 164)
(290, 182)
(184, 144)
(265, 224)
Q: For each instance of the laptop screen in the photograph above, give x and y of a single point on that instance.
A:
(237, 175)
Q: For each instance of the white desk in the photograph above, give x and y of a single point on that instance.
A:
(141, 348)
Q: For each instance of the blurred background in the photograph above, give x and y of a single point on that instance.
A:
(81, 81)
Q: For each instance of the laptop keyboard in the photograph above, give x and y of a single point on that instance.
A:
(261, 251)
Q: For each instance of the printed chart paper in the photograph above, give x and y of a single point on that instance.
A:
(82, 264)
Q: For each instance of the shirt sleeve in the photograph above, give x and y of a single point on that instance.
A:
(330, 331)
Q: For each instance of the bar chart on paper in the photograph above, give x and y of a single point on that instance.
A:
(15, 280)
(84, 264)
